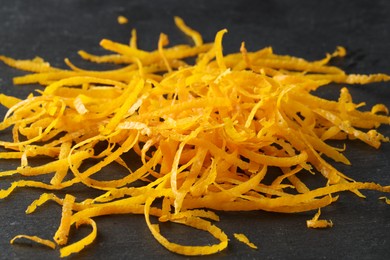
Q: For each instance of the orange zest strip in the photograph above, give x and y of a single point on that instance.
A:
(61, 236)
(244, 239)
(36, 239)
(79, 245)
(318, 223)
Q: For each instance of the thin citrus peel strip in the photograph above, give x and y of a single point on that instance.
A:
(315, 222)
(244, 239)
(207, 134)
(36, 239)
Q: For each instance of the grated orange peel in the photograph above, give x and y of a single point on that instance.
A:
(206, 134)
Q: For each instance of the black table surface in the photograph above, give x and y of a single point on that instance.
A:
(55, 29)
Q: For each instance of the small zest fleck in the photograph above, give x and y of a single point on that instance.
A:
(244, 239)
(315, 222)
(387, 200)
(122, 19)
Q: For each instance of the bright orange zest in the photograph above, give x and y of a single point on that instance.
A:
(206, 134)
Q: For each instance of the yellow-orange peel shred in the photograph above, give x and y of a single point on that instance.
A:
(244, 239)
(315, 222)
(122, 19)
(207, 134)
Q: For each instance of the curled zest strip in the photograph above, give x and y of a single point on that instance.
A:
(192, 222)
(36, 239)
(79, 245)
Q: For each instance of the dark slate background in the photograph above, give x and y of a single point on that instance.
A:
(55, 29)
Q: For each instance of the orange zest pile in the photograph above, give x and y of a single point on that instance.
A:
(208, 134)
